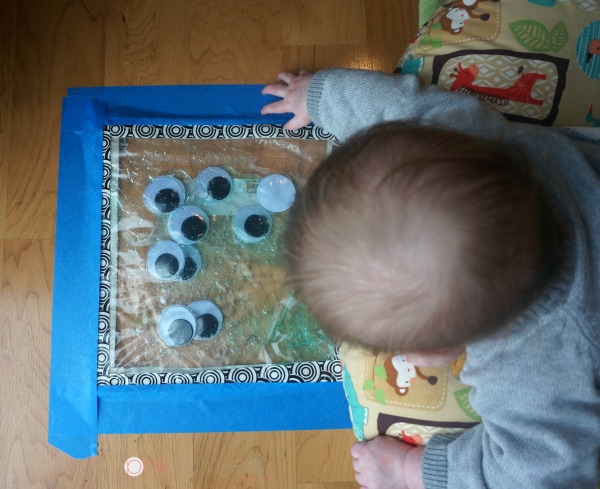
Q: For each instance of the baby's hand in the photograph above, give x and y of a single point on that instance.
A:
(293, 89)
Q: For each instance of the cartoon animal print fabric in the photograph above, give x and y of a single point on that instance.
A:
(452, 18)
(401, 374)
(535, 61)
(388, 395)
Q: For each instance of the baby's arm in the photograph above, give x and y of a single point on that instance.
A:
(343, 101)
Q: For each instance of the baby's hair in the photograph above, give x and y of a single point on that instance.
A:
(413, 238)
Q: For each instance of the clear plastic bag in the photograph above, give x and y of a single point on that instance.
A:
(262, 322)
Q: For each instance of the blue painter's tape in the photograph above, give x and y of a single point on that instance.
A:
(222, 407)
(72, 425)
(79, 409)
(197, 105)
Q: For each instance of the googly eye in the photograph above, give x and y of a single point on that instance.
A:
(192, 263)
(209, 319)
(176, 325)
(188, 224)
(213, 184)
(276, 193)
(252, 224)
(165, 260)
(164, 194)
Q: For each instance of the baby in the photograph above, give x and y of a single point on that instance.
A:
(438, 226)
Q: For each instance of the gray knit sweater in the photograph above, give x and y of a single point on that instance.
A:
(536, 383)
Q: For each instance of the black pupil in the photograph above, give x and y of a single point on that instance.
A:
(180, 331)
(189, 269)
(219, 188)
(166, 200)
(210, 325)
(166, 265)
(194, 228)
(256, 225)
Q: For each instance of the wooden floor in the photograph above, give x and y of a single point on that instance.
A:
(47, 46)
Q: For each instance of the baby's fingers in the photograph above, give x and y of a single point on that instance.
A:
(279, 107)
(276, 89)
(286, 77)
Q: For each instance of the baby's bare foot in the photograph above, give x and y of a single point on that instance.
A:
(387, 463)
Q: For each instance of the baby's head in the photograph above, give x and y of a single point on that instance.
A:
(414, 239)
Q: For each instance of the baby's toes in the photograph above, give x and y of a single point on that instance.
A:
(357, 450)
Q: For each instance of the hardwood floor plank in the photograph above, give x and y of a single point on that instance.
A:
(315, 58)
(390, 28)
(174, 43)
(235, 41)
(25, 299)
(325, 22)
(147, 43)
(131, 40)
(58, 44)
(330, 485)
(55, 47)
(296, 58)
(359, 57)
(245, 460)
(391, 23)
(324, 456)
(8, 29)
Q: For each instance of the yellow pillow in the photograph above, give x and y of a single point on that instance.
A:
(535, 61)
(388, 395)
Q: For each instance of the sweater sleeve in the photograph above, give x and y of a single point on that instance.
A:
(541, 419)
(344, 101)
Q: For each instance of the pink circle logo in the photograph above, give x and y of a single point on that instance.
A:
(134, 466)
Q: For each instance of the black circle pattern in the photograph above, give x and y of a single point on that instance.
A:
(176, 131)
(146, 131)
(267, 130)
(205, 132)
(117, 131)
(236, 131)
(211, 377)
